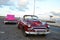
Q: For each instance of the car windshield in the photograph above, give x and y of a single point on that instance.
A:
(31, 17)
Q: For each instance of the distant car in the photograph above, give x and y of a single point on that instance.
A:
(10, 19)
(30, 24)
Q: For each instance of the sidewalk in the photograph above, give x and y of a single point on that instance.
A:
(54, 24)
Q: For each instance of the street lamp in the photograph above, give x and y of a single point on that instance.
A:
(34, 8)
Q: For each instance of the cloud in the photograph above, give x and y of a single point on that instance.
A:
(2, 2)
(22, 2)
(20, 5)
(41, 0)
(5, 2)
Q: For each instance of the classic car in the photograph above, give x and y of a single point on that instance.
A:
(31, 24)
(10, 19)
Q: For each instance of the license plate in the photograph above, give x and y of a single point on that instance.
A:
(11, 21)
(40, 30)
(41, 33)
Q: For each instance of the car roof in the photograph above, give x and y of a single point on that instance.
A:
(28, 15)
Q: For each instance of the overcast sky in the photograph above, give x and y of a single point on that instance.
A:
(22, 7)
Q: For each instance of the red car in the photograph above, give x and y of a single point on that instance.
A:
(10, 19)
(30, 24)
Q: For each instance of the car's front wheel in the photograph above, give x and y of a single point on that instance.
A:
(24, 32)
(43, 34)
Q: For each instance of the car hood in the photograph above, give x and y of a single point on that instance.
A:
(34, 22)
(10, 19)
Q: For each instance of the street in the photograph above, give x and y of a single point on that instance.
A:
(11, 32)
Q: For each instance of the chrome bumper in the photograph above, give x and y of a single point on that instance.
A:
(37, 32)
(10, 21)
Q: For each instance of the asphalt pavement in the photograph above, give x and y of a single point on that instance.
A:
(11, 32)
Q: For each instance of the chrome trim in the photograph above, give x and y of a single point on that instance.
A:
(37, 32)
(10, 21)
(5, 21)
(48, 26)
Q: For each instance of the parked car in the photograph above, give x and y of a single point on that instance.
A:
(31, 24)
(10, 19)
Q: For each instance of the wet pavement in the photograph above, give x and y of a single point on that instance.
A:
(11, 32)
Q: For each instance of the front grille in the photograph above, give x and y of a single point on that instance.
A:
(40, 30)
(39, 27)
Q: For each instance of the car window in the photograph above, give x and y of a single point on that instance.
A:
(31, 17)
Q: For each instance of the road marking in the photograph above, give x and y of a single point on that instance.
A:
(2, 32)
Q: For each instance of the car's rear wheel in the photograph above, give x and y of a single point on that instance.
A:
(24, 32)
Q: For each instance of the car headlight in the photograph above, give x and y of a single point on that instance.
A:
(29, 25)
(48, 26)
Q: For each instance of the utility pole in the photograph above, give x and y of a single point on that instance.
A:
(34, 8)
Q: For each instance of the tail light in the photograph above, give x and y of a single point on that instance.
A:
(29, 26)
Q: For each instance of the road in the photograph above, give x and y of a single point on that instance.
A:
(11, 32)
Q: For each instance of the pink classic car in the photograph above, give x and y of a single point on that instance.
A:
(10, 19)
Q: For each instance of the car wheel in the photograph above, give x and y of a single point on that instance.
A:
(43, 34)
(24, 32)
